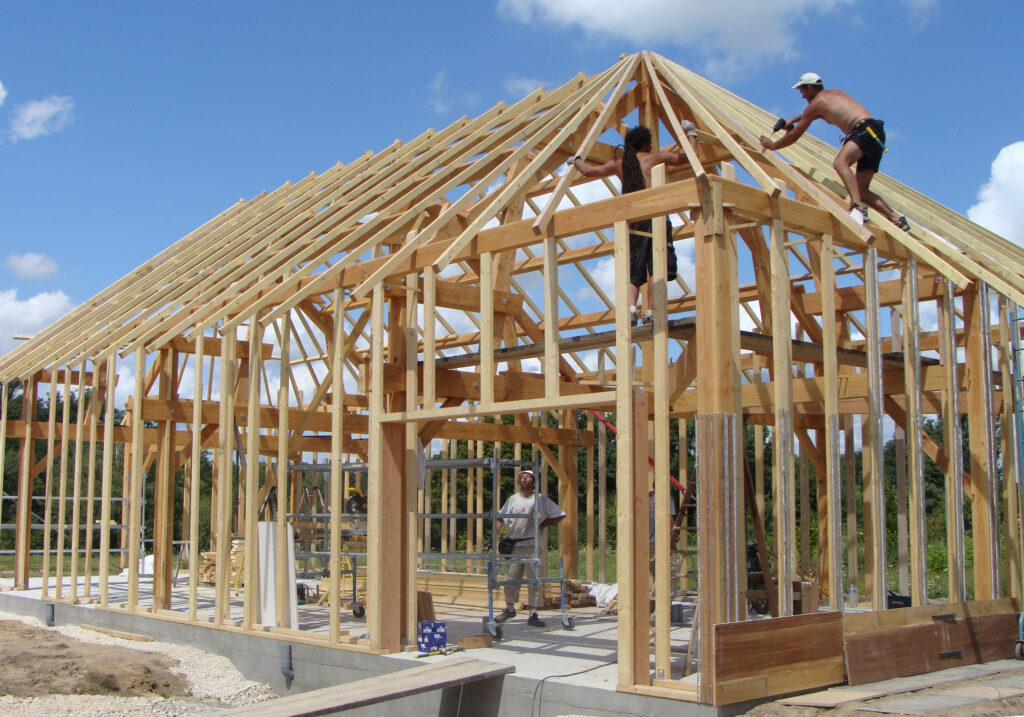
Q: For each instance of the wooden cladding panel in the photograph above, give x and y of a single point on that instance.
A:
(764, 658)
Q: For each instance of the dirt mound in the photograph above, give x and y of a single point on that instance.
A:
(43, 662)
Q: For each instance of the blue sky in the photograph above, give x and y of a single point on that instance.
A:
(125, 125)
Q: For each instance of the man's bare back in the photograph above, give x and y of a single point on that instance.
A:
(837, 108)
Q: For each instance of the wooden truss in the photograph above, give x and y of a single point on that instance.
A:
(416, 292)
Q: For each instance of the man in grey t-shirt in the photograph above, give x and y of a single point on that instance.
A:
(530, 505)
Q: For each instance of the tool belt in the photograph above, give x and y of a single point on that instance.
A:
(507, 545)
(867, 125)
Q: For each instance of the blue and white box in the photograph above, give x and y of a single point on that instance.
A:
(432, 636)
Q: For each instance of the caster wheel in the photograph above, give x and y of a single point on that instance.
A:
(1018, 650)
(568, 623)
(358, 610)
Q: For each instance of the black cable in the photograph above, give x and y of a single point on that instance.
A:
(537, 698)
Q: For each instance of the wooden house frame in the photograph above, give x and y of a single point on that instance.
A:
(408, 287)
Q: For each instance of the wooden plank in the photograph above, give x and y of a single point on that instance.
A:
(250, 566)
(981, 438)
(783, 483)
(469, 642)
(763, 658)
(76, 490)
(871, 621)
(954, 486)
(912, 431)
(874, 448)
(832, 530)
(662, 519)
(62, 490)
(194, 482)
(134, 636)
(915, 649)
(25, 488)
(382, 688)
(221, 523)
(337, 455)
(105, 489)
(48, 485)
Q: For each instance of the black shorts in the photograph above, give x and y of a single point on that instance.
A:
(641, 255)
(871, 147)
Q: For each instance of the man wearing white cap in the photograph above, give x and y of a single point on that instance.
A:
(528, 504)
(864, 143)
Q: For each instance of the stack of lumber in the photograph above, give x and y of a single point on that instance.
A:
(207, 571)
(471, 590)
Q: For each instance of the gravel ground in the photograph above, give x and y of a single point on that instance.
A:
(213, 681)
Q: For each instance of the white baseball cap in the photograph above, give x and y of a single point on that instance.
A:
(809, 78)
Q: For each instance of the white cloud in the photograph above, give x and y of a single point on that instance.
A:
(440, 94)
(519, 87)
(30, 265)
(3, 93)
(919, 11)
(728, 33)
(29, 316)
(42, 117)
(999, 207)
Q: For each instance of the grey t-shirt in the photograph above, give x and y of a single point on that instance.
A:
(520, 528)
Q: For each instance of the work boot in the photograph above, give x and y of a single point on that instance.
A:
(535, 621)
(648, 318)
(505, 614)
(633, 319)
(902, 223)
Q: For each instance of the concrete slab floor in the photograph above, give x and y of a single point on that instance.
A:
(571, 669)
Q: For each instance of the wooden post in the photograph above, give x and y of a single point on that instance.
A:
(984, 473)
(662, 520)
(590, 501)
(634, 653)
(568, 500)
(283, 439)
(386, 473)
(163, 494)
(76, 490)
(23, 535)
(252, 478)
(62, 492)
(108, 477)
(954, 446)
(51, 430)
(225, 454)
(94, 418)
(783, 481)
(720, 537)
(337, 456)
(873, 457)
(1008, 449)
(915, 460)
(194, 480)
(831, 536)
(136, 477)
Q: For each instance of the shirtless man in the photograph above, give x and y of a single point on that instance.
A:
(634, 173)
(864, 143)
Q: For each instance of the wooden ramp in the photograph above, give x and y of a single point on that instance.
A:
(403, 683)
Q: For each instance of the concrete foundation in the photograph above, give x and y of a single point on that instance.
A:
(543, 685)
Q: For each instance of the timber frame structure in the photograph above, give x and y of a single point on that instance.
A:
(410, 286)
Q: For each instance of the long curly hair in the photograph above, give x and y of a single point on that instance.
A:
(637, 139)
